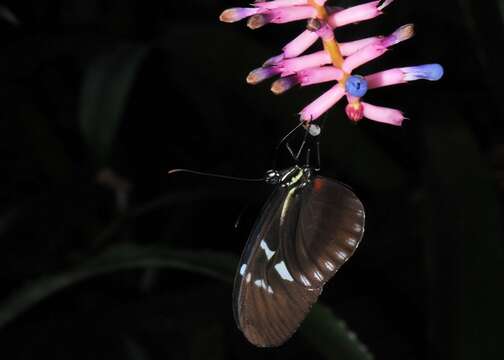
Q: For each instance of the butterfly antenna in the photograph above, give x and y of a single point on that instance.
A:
(288, 147)
(308, 153)
(284, 140)
(317, 142)
(302, 146)
(200, 173)
(317, 149)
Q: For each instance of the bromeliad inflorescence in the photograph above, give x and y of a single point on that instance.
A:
(337, 61)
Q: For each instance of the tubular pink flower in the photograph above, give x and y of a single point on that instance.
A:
(432, 72)
(293, 13)
(291, 66)
(385, 78)
(281, 15)
(383, 114)
(319, 75)
(350, 48)
(355, 14)
(363, 56)
(328, 99)
(279, 3)
(300, 44)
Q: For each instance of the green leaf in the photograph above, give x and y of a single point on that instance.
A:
(322, 329)
(107, 83)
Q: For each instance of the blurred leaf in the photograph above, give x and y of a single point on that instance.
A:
(7, 15)
(480, 22)
(134, 350)
(331, 337)
(217, 265)
(501, 8)
(327, 333)
(467, 245)
(107, 83)
(8, 218)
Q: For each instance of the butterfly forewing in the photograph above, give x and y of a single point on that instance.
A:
(303, 236)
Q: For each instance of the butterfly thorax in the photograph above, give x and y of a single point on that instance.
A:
(295, 176)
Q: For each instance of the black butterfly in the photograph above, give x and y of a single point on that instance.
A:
(308, 228)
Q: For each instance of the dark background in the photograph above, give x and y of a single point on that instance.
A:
(114, 264)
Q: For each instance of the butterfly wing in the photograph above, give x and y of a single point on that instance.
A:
(303, 236)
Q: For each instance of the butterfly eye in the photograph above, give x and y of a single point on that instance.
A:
(272, 177)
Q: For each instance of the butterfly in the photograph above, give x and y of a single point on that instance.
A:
(308, 228)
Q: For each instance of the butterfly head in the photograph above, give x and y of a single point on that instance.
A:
(292, 176)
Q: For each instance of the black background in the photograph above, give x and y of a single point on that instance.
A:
(426, 282)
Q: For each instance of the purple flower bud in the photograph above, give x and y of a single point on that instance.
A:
(261, 74)
(283, 84)
(237, 14)
(258, 20)
(404, 33)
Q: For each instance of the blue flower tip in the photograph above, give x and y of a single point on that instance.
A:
(432, 72)
(356, 86)
(436, 72)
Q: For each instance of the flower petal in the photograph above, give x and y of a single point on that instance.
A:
(350, 48)
(293, 13)
(355, 14)
(319, 75)
(279, 3)
(290, 66)
(363, 56)
(314, 110)
(383, 114)
(300, 44)
(385, 78)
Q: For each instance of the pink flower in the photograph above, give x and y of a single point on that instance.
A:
(336, 62)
